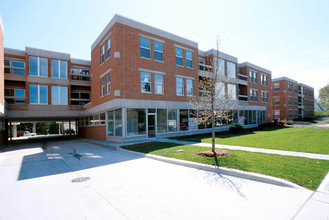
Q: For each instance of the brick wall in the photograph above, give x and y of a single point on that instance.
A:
(93, 132)
(125, 73)
(1, 67)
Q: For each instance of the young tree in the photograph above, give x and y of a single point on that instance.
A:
(217, 97)
(324, 96)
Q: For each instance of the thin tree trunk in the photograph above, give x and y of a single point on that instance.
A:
(213, 125)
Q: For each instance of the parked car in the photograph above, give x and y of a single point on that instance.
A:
(27, 133)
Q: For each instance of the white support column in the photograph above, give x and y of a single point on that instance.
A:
(34, 127)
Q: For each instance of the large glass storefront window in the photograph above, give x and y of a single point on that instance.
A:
(114, 122)
(193, 120)
(161, 120)
(201, 119)
(136, 122)
(254, 117)
(172, 120)
(183, 119)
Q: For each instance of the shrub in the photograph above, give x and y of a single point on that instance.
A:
(290, 122)
(236, 129)
(268, 125)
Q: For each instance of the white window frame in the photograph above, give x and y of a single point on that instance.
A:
(59, 69)
(179, 87)
(155, 84)
(188, 59)
(103, 53)
(182, 57)
(149, 49)
(142, 81)
(108, 84)
(108, 48)
(158, 51)
(102, 86)
(39, 95)
(189, 88)
(59, 95)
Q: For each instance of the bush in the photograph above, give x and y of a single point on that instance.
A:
(321, 113)
(268, 125)
(236, 129)
(290, 122)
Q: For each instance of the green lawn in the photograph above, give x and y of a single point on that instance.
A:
(302, 171)
(291, 139)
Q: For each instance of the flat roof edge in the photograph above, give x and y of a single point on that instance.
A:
(284, 78)
(255, 67)
(144, 27)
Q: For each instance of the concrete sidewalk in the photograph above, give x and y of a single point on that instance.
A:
(38, 183)
(251, 149)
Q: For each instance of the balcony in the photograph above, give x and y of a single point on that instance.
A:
(242, 77)
(204, 69)
(80, 77)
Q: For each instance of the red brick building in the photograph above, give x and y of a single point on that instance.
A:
(138, 85)
(291, 100)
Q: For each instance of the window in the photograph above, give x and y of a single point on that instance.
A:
(179, 86)
(290, 113)
(20, 93)
(296, 113)
(145, 48)
(189, 87)
(58, 95)
(290, 87)
(179, 56)
(108, 50)
(276, 101)
(158, 51)
(102, 54)
(264, 96)
(251, 76)
(290, 100)
(161, 120)
(255, 77)
(14, 67)
(38, 94)
(253, 95)
(295, 101)
(136, 121)
(189, 60)
(220, 65)
(295, 89)
(15, 96)
(183, 119)
(108, 83)
(114, 122)
(38, 66)
(158, 84)
(58, 69)
(231, 90)
(231, 69)
(220, 90)
(172, 120)
(264, 80)
(145, 82)
(103, 86)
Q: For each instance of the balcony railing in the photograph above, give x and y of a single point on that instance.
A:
(242, 77)
(204, 67)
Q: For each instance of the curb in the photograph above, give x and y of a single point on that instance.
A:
(206, 167)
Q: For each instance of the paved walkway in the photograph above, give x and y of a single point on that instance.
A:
(251, 149)
(38, 183)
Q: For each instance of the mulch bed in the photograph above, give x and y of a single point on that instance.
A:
(209, 153)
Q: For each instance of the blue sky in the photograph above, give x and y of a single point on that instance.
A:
(290, 38)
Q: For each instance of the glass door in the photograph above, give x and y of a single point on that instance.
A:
(151, 126)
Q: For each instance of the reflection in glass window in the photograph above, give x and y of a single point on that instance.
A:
(183, 119)
(172, 120)
(145, 47)
(189, 87)
(59, 95)
(136, 122)
(220, 67)
(58, 69)
(108, 50)
(231, 89)
(158, 84)
(38, 94)
(110, 123)
(189, 61)
(179, 86)
(33, 65)
(118, 122)
(158, 51)
(231, 69)
(161, 120)
(38, 66)
(179, 56)
(102, 53)
(145, 82)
